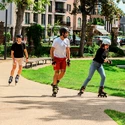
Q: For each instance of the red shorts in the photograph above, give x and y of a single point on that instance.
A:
(60, 63)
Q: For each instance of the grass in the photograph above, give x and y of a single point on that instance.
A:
(77, 73)
(118, 117)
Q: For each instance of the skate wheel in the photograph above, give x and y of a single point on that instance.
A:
(53, 95)
(79, 94)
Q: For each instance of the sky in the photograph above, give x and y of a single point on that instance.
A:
(122, 6)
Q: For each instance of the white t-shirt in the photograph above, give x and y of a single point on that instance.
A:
(60, 47)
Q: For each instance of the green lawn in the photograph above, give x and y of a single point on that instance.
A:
(119, 117)
(77, 73)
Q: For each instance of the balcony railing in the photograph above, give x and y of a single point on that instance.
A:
(65, 23)
(60, 10)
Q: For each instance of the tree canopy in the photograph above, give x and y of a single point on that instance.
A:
(36, 6)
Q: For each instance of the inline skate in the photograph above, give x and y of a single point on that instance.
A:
(55, 90)
(81, 91)
(101, 93)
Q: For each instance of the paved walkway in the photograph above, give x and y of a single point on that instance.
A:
(30, 103)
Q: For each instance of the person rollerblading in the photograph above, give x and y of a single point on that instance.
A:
(97, 64)
(81, 91)
(101, 92)
(10, 80)
(16, 79)
(60, 54)
(55, 90)
(18, 49)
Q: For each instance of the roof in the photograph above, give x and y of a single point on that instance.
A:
(102, 31)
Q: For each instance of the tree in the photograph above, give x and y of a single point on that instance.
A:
(34, 34)
(85, 7)
(37, 6)
(111, 11)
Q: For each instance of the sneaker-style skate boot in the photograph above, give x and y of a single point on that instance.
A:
(101, 93)
(16, 79)
(55, 90)
(81, 91)
(57, 84)
(10, 79)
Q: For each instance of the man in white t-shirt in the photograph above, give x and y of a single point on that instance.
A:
(59, 52)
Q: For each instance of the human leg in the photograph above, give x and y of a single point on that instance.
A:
(12, 72)
(20, 66)
(101, 92)
(91, 72)
(101, 71)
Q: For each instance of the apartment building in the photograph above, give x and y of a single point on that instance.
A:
(59, 10)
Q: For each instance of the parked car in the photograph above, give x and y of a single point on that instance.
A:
(50, 39)
(98, 39)
(77, 40)
(122, 42)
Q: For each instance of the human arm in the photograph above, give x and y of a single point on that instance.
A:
(68, 56)
(52, 55)
(26, 54)
(12, 55)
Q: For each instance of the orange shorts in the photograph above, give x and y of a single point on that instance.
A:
(60, 63)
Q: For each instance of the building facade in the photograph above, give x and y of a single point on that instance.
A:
(58, 10)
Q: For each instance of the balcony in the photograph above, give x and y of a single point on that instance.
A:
(79, 27)
(65, 23)
(60, 10)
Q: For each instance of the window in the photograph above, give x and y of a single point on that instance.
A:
(79, 22)
(35, 17)
(43, 19)
(68, 7)
(27, 18)
(50, 7)
(49, 19)
(68, 21)
(59, 5)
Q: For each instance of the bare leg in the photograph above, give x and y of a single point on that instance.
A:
(13, 70)
(55, 77)
(62, 73)
(20, 70)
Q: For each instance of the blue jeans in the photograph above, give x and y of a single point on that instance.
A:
(95, 66)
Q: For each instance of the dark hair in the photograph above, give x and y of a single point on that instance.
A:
(63, 30)
(102, 46)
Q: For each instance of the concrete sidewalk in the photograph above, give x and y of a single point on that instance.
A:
(30, 103)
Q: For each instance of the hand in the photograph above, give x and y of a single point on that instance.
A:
(109, 61)
(53, 62)
(26, 60)
(68, 62)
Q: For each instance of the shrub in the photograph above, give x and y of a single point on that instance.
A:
(117, 50)
(91, 49)
(34, 34)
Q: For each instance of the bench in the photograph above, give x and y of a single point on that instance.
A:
(36, 61)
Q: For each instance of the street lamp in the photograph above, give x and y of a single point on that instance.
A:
(5, 47)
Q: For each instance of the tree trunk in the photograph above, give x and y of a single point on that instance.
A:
(83, 32)
(19, 20)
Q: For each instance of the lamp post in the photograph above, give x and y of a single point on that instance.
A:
(5, 47)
